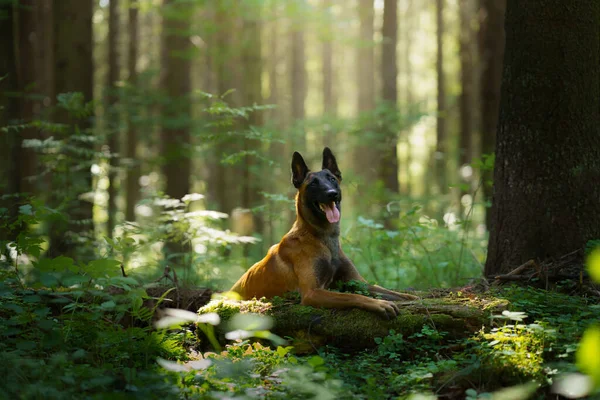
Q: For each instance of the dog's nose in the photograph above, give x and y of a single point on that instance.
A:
(333, 195)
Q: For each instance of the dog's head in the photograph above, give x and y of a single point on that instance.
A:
(319, 194)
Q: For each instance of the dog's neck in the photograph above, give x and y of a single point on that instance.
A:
(332, 231)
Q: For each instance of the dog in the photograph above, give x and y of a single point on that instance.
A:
(309, 258)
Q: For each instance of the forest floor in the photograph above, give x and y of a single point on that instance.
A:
(94, 343)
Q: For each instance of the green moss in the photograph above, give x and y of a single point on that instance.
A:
(355, 329)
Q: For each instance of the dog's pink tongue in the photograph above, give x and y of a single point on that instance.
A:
(332, 213)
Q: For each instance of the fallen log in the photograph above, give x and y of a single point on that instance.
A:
(356, 329)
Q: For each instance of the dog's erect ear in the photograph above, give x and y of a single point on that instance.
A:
(330, 163)
(299, 170)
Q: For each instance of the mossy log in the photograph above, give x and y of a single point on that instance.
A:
(355, 329)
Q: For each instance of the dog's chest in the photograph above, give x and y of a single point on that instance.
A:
(326, 268)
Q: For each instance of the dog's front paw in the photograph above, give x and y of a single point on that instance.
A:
(385, 308)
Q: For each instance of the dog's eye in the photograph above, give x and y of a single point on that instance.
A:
(332, 179)
(314, 183)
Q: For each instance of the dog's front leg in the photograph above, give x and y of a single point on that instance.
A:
(327, 299)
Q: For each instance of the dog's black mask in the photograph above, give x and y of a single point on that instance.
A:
(320, 190)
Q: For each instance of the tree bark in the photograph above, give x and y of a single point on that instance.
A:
(366, 149)
(440, 156)
(329, 100)
(298, 85)
(365, 56)
(408, 37)
(491, 55)
(112, 123)
(467, 104)
(252, 94)
(74, 67)
(134, 172)
(388, 161)
(9, 110)
(547, 167)
(176, 82)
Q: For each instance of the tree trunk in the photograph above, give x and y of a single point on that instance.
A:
(224, 59)
(176, 82)
(491, 55)
(252, 94)
(547, 167)
(365, 56)
(329, 100)
(298, 85)
(9, 109)
(467, 104)
(133, 173)
(74, 68)
(441, 155)
(112, 123)
(366, 147)
(388, 160)
(408, 29)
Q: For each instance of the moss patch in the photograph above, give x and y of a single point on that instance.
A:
(356, 329)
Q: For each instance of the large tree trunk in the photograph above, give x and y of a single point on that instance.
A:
(491, 55)
(176, 82)
(9, 111)
(133, 173)
(441, 156)
(112, 123)
(74, 68)
(388, 161)
(547, 167)
(467, 103)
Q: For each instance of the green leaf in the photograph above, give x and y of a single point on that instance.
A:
(315, 361)
(104, 266)
(108, 305)
(26, 209)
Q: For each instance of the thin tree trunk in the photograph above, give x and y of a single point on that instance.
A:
(224, 59)
(28, 37)
(388, 162)
(467, 104)
(134, 172)
(73, 63)
(491, 50)
(176, 82)
(366, 148)
(408, 28)
(298, 86)
(112, 123)
(252, 85)
(441, 139)
(365, 56)
(329, 101)
(547, 168)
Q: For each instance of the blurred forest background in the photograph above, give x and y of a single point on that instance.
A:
(161, 132)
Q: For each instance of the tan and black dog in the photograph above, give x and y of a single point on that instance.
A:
(309, 258)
